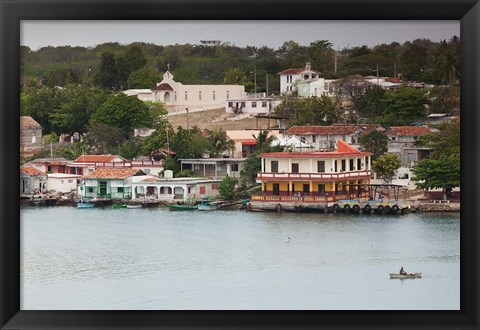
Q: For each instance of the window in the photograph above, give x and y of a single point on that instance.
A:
(213, 95)
(320, 166)
(61, 181)
(336, 170)
(70, 181)
(264, 104)
(410, 157)
(254, 104)
(359, 164)
(186, 96)
(175, 95)
(230, 104)
(90, 189)
(352, 166)
(228, 95)
(274, 166)
(202, 190)
(344, 165)
(120, 190)
(243, 104)
(200, 95)
(314, 138)
(214, 186)
(234, 167)
(295, 168)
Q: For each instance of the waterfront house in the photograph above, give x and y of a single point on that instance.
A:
(50, 165)
(313, 177)
(32, 180)
(62, 182)
(172, 189)
(109, 183)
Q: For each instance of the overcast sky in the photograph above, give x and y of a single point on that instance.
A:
(37, 34)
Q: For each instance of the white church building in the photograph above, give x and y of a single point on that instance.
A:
(178, 97)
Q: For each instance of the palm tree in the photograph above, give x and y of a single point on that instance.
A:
(220, 141)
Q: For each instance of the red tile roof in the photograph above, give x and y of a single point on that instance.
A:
(96, 159)
(109, 173)
(343, 150)
(50, 161)
(407, 131)
(32, 171)
(297, 71)
(162, 87)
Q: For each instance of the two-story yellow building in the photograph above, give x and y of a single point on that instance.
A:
(293, 180)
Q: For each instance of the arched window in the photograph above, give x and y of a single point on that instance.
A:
(200, 95)
(186, 96)
(213, 95)
(166, 97)
(228, 95)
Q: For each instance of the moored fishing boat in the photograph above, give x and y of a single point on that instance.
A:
(134, 206)
(119, 206)
(207, 204)
(188, 204)
(83, 204)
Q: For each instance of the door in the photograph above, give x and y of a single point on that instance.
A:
(306, 189)
(276, 189)
(103, 188)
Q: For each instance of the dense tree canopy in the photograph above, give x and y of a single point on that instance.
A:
(375, 142)
(309, 111)
(123, 112)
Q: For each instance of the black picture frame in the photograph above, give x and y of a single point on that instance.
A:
(13, 11)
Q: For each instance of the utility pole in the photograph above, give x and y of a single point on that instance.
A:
(187, 117)
(255, 79)
(266, 73)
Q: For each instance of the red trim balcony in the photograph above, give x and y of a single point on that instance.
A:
(326, 177)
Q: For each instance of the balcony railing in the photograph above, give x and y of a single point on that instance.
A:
(313, 176)
(133, 163)
(268, 197)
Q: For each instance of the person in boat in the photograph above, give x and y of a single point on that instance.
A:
(402, 272)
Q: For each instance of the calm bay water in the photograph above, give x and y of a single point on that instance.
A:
(154, 259)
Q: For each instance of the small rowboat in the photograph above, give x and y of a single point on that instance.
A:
(85, 205)
(207, 205)
(408, 275)
(134, 206)
(119, 206)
